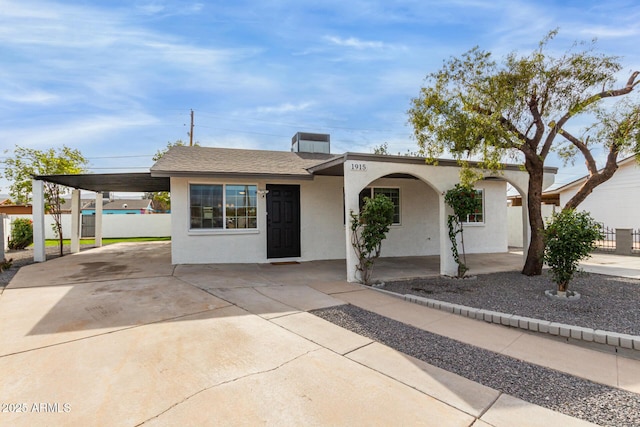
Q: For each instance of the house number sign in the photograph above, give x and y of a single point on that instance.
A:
(359, 167)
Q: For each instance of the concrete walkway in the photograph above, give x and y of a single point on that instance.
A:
(119, 336)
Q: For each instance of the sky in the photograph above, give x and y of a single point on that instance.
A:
(118, 79)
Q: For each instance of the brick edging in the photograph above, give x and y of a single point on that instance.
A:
(613, 339)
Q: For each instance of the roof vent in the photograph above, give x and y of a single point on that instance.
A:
(303, 142)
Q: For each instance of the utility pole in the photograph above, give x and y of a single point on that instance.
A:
(191, 133)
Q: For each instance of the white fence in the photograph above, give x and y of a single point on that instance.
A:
(113, 226)
(514, 220)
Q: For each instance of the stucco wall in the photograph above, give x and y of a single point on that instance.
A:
(514, 219)
(418, 232)
(490, 236)
(615, 202)
(321, 225)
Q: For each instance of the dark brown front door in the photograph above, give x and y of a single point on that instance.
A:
(283, 221)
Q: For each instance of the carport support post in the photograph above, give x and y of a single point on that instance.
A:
(75, 221)
(37, 205)
(98, 224)
(448, 266)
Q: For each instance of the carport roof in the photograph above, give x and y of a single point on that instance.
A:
(123, 182)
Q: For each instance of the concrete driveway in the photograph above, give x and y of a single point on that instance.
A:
(119, 336)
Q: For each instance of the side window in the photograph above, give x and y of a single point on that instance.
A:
(391, 193)
(478, 216)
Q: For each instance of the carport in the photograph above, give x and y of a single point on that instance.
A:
(98, 183)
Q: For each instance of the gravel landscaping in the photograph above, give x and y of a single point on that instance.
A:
(606, 302)
(542, 386)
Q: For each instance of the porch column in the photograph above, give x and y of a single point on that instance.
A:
(350, 205)
(448, 265)
(98, 220)
(37, 206)
(75, 221)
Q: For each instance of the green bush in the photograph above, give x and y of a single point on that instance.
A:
(569, 237)
(21, 233)
(368, 230)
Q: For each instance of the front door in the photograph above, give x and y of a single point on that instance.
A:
(283, 221)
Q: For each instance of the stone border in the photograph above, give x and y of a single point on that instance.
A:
(598, 336)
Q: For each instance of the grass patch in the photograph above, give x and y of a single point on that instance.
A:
(50, 242)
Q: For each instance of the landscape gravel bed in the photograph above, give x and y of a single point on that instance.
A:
(542, 386)
(606, 302)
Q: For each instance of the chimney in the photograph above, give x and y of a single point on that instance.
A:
(304, 142)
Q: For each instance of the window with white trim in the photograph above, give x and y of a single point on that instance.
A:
(478, 216)
(223, 206)
(392, 193)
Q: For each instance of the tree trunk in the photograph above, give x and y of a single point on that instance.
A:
(534, 261)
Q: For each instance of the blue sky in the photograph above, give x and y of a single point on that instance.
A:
(117, 79)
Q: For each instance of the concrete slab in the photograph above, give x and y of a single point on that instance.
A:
(509, 411)
(301, 297)
(613, 265)
(593, 365)
(335, 287)
(215, 276)
(317, 388)
(132, 375)
(322, 332)
(35, 317)
(394, 308)
(489, 336)
(254, 302)
(629, 374)
(118, 261)
(461, 393)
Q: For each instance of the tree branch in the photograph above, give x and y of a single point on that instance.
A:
(631, 83)
(584, 149)
(596, 178)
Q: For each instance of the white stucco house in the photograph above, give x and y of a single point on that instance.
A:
(615, 202)
(256, 206)
(259, 206)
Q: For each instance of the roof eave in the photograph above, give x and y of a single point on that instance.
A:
(202, 174)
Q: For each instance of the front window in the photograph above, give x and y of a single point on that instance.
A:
(223, 206)
(392, 193)
(478, 216)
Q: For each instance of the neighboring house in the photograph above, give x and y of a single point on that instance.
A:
(615, 202)
(255, 206)
(7, 207)
(120, 207)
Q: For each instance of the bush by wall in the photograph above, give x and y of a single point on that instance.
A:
(21, 233)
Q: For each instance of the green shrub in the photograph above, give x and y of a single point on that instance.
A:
(569, 237)
(368, 230)
(21, 233)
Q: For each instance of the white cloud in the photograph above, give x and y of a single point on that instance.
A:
(355, 43)
(610, 32)
(77, 132)
(284, 108)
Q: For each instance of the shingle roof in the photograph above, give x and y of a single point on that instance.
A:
(229, 161)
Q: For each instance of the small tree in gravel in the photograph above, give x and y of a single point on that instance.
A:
(368, 230)
(569, 237)
(464, 201)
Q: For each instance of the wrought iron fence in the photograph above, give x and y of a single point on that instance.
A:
(608, 243)
(635, 235)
